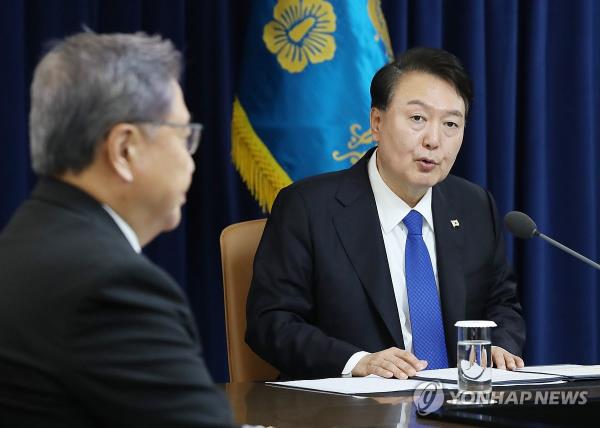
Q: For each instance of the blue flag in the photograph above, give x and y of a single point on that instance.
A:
(303, 101)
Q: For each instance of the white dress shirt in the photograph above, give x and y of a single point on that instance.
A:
(392, 210)
(125, 228)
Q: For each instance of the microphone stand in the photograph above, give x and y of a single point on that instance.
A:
(567, 249)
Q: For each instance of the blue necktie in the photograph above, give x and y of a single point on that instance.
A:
(423, 299)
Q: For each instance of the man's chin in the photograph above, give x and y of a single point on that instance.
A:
(172, 221)
(430, 180)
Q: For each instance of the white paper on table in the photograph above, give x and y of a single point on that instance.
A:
(356, 385)
(541, 375)
(572, 371)
(499, 377)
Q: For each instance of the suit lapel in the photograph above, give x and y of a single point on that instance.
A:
(359, 231)
(449, 243)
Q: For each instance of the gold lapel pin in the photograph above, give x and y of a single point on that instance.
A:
(454, 223)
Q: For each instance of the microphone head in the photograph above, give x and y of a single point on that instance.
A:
(520, 225)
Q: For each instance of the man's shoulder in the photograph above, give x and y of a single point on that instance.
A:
(454, 181)
(458, 189)
(112, 265)
(315, 195)
(466, 198)
(326, 183)
(57, 230)
(68, 265)
(83, 249)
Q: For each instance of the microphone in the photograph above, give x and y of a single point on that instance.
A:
(522, 226)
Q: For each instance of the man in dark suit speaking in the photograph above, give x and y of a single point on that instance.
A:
(366, 270)
(91, 332)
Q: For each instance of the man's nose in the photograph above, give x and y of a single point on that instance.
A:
(431, 139)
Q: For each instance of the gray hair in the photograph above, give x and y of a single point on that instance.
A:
(88, 83)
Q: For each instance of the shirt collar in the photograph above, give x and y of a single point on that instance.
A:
(391, 208)
(125, 228)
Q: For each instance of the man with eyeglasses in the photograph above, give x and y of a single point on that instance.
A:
(91, 332)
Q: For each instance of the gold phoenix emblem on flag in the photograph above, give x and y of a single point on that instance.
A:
(357, 140)
(301, 32)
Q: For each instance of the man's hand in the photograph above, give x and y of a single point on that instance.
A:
(502, 359)
(392, 362)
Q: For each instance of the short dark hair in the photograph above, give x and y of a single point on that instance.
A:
(436, 62)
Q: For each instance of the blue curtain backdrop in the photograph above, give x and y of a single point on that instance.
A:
(532, 137)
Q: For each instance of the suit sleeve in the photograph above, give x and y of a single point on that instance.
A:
(503, 305)
(134, 358)
(281, 322)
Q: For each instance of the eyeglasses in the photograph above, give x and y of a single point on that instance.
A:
(192, 140)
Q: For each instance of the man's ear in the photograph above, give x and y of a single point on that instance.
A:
(122, 145)
(376, 119)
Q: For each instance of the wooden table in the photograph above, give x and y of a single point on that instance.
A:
(257, 403)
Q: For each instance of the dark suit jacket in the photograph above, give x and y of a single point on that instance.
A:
(92, 333)
(322, 289)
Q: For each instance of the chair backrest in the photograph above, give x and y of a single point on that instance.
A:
(239, 242)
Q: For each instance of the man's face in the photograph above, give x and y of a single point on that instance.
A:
(167, 168)
(419, 135)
